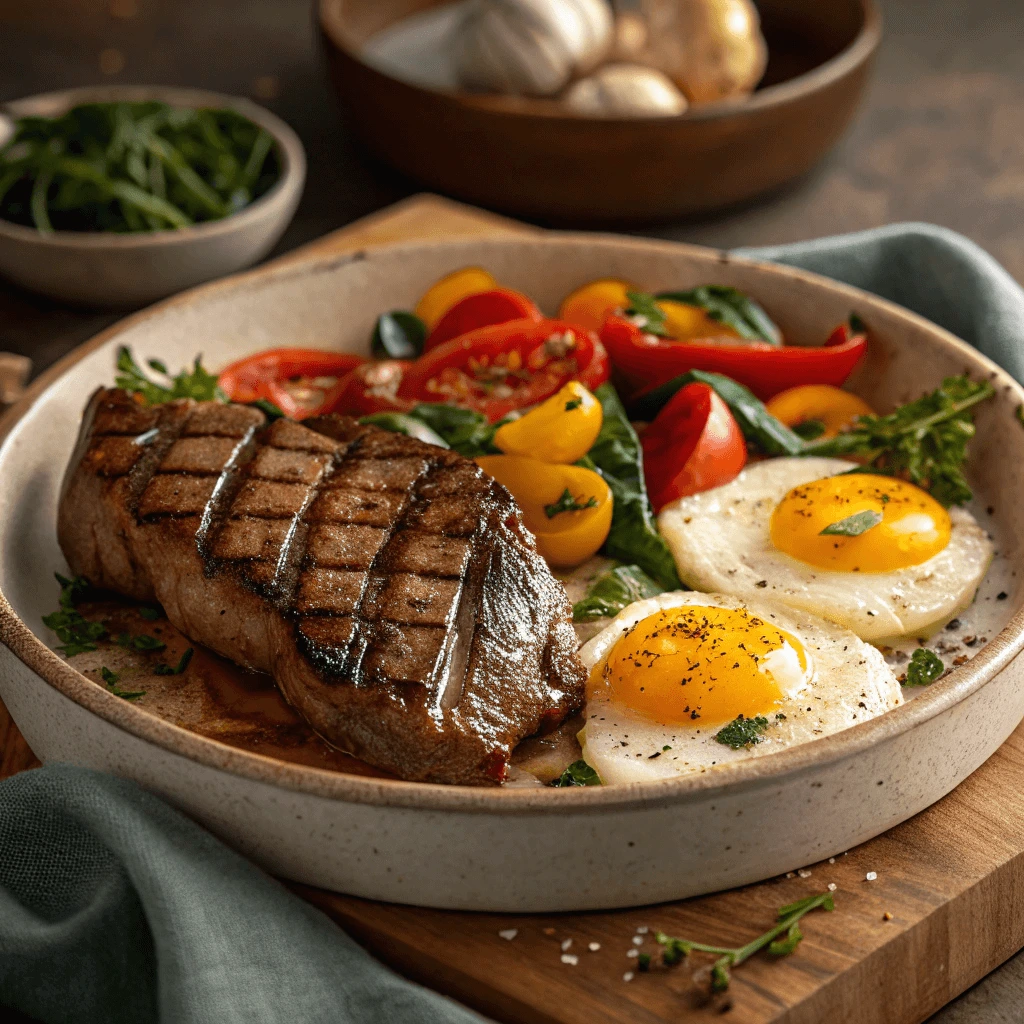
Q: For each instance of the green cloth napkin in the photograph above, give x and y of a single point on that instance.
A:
(114, 907)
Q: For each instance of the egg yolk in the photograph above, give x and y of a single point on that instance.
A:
(913, 526)
(698, 665)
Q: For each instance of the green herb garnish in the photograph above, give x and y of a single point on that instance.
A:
(77, 634)
(398, 335)
(573, 403)
(403, 423)
(142, 642)
(732, 308)
(465, 431)
(133, 167)
(742, 732)
(926, 440)
(567, 503)
(644, 307)
(676, 949)
(853, 526)
(579, 773)
(925, 667)
(614, 590)
(197, 384)
(163, 669)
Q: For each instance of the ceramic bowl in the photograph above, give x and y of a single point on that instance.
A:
(529, 158)
(106, 270)
(507, 849)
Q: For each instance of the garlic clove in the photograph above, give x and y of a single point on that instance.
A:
(625, 90)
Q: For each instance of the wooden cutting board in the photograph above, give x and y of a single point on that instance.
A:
(941, 913)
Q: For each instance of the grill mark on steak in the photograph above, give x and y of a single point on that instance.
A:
(388, 586)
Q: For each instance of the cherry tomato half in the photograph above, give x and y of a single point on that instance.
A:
(497, 306)
(370, 388)
(297, 380)
(692, 445)
(504, 367)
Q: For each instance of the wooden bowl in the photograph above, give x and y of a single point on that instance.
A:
(528, 157)
(508, 849)
(124, 271)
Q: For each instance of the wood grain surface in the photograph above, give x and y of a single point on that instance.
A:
(940, 914)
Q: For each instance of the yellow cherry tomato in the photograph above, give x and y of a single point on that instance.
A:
(562, 429)
(835, 409)
(589, 305)
(683, 322)
(567, 508)
(443, 294)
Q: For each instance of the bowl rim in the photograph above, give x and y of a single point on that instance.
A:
(289, 148)
(735, 777)
(857, 53)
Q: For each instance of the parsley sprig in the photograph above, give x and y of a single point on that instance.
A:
(197, 383)
(781, 940)
(925, 440)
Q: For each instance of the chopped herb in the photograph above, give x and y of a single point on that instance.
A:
(579, 773)
(742, 732)
(197, 383)
(925, 667)
(644, 307)
(166, 670)
(112, 679)
(398, 335)
(573, 403)
(567, 503)
(143, 642)
(77, 634)
(150, 614)
(853, 526)
(926, 439)
(732, 308)
(614, 590)
(674, 950)
(809, 430)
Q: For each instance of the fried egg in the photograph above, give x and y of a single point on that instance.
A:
(762, 535)
(670, 672)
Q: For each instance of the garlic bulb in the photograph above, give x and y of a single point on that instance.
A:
(530, 47)
(625, 90)
(712, 49)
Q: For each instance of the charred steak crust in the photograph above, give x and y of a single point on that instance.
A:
(389, 586)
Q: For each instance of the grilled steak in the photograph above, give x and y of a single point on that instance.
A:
(389, 586)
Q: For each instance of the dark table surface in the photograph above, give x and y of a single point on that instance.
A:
(940, 138)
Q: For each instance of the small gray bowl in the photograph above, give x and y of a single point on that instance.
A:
(110, 270)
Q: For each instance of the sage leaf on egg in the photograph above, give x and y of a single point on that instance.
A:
(853, 526)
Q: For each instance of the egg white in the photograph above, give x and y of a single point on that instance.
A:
(848, 682)
(721, 541)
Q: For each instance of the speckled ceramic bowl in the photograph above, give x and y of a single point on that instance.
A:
(127, 271)
(490, 849)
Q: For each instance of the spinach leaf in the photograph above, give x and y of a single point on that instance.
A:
(759, 426)
(398, 335)
(646, 307)
(617, 456)
(400, 423)
(614, 590)
(732, 308)
(579, 773)
(463, 430)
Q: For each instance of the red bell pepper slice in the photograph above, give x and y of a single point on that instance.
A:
(504, 367)
(643, 361)
(497, 306)
(692, 445)
(297, 380)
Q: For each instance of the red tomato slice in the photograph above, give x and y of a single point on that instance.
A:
(692, 445)
(369, 388)
(503, 367)
(497, 306)
(296, 380)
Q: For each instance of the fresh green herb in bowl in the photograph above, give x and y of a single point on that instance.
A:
(143, 166)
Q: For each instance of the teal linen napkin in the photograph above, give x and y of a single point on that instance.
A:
(114, 907)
